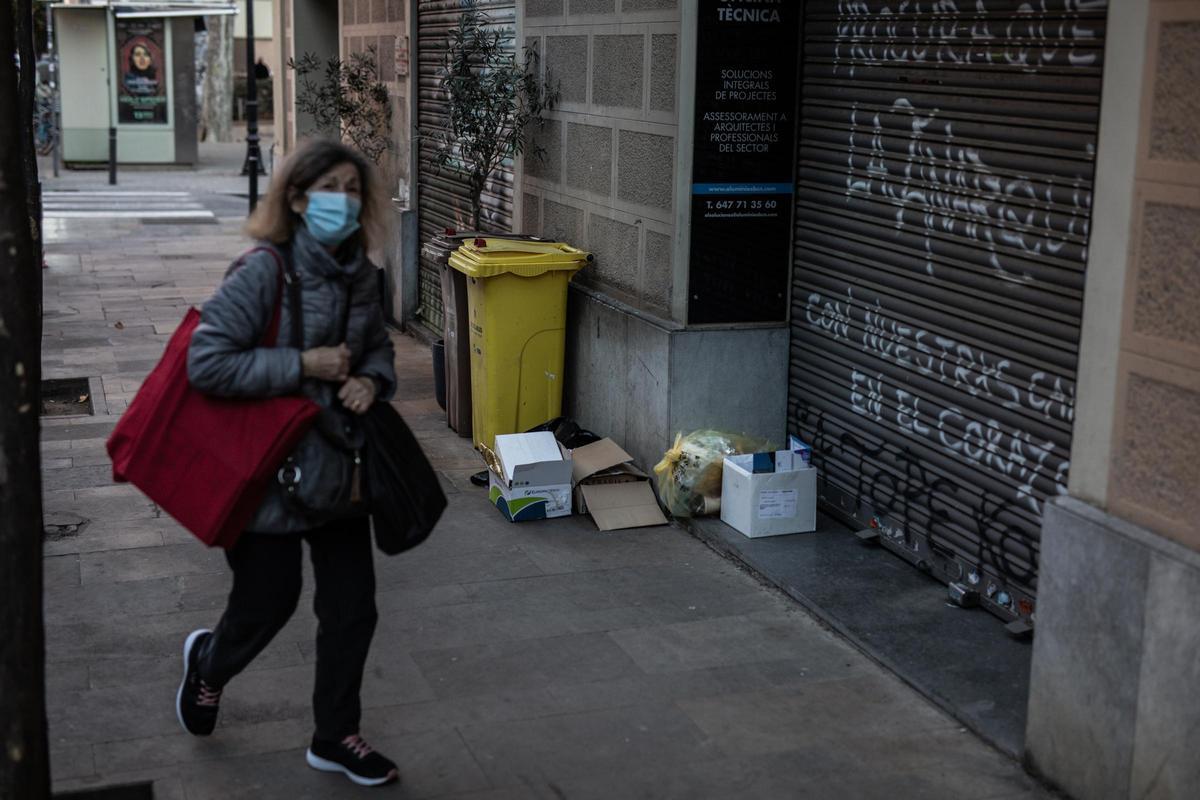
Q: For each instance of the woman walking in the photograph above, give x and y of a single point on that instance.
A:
(321, 215)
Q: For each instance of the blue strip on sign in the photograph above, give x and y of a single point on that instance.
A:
(742, 188)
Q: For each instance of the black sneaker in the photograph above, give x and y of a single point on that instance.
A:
(354, 758)
(197, 703)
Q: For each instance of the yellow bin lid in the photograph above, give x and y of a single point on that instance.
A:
(492, 256)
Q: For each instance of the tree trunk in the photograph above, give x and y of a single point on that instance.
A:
(26, 92)
(477, 186)
(24, 756)
(217, 115)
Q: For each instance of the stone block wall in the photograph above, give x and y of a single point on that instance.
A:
(606, 178)
(1113, 708)
(1156, 431)
(382, 25)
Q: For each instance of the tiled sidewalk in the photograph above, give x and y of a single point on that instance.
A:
(543, 660)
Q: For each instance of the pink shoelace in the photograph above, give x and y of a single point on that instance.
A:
(208, 696)
(357, 745)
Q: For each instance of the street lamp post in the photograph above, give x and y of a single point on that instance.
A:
(253, 155)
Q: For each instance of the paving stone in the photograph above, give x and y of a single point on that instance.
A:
(744, 639)
(181, 748)
(134, 670)
(669, 592)
(90, 430)
(164, 784)
(422, 570)
(66, 677)
(575, 545)
(76, 477)
(119, 712)
(532, 752)
(71, 761)
(840, 711)
(61, 570)
(129, 599)
(432, 765)
(525, 664)
(150, 562)
(767, 777)
(91, 540)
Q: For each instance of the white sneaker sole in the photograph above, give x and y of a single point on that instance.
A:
(187, 652)
(325, 765)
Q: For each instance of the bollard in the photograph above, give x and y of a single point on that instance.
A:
(112, 156)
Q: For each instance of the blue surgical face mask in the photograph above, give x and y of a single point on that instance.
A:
(331, 216)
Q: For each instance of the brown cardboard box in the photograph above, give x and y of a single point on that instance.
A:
(610, 488)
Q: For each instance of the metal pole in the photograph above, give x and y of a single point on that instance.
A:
(112, 127)
(253, 155)
(112, 156)
(56, 154)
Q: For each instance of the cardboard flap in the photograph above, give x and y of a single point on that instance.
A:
(622, 505)
(522, 451)
(617, 474)
(595, 457)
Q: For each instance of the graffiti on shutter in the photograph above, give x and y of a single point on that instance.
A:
(944, 191)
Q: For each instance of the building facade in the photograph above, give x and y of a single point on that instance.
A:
(1113, 711)
(954, 249)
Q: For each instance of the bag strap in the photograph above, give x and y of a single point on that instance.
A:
(345, 321)
(286, 278)
(296, 295)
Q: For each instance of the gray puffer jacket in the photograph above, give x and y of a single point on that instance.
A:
(225, 359)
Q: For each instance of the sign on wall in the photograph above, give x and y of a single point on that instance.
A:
(742, 164)
(142, 70)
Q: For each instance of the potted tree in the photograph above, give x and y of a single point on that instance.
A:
(346, 100)
(492, 98)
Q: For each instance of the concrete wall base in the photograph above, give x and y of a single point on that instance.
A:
(640, 379)
(1114, 705)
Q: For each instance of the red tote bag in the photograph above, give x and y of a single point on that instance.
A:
(206, 461)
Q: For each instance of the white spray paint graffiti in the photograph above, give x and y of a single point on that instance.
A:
(941, 358)
(1002, 449)
(1021, 221)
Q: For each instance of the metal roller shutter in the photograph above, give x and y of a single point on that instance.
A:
(443, 200)
(944, 191)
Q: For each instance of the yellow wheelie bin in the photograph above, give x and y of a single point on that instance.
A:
(517, 308)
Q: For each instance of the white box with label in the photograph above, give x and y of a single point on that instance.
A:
(769, 503)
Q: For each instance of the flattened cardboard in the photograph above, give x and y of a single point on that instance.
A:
(596, 457)
(614, 506)
(610, 488)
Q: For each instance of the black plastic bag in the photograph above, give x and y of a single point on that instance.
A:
(567, 431)
(406, 498)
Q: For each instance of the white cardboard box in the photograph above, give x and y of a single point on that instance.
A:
(769, 503)
(529, 476)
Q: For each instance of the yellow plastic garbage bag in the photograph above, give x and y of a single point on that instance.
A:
(689, 475)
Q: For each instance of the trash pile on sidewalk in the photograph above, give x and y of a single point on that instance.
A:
(504, 301)
(535, 476)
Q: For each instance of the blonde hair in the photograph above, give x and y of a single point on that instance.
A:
(275, 221)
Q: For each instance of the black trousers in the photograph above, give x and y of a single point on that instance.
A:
(266, 589)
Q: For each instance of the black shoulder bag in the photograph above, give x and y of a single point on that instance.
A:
(402, 490)
(404, 493)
